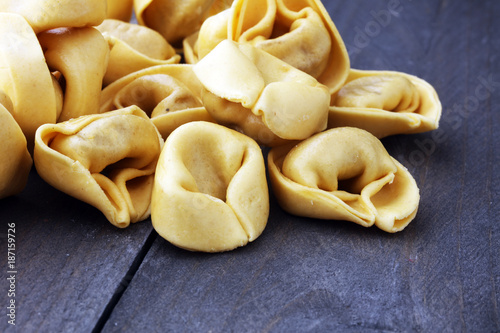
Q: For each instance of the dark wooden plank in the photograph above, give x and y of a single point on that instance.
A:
(300, 274)
(70, 260)
(440, 274)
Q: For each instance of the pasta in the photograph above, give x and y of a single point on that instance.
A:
(386, 103)
(344, 174)
(15, 160)
(210, 191)
(107, 113)
(261, 95)
(134, 47)
(35, 94)
(300, 33)
(67, 52)
(169, 94)
(176, 19)
(49, 14)
(120, 9)
(106, 160)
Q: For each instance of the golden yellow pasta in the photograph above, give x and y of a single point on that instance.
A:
(80, 55)
(385, 103)
(108, 115)
(134, 47)
(106, 160)
(261, 95)
(120, 9)
(176, 19)
(15, 160)
(35, 95)
(169, 94)
(213, 31)
(344, 174)
(300, 32)
(210, 192)
(49, 14)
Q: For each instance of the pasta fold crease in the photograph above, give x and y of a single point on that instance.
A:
(169, 94)
(134, 47)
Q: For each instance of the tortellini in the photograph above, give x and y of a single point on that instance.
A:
(106, 160)
(176, 19)
(134, 47)
(344, 174)
(49, 14)
(210, 192)
(169, 94)
(67, 52)
(261, 95)
(386, 103)
(120, 9)
(300, 32)
(117, 122)
(15, 160)
(35, 94)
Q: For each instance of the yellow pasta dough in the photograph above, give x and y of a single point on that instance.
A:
(106, 160)
(15, 160)
(169, 94)
(300, 32)
(81, 56)
(261, 95)
(98, 96)
(35, 95)
(120, 9)
(49, 14)
(210, 191)
(176, 19)
(134, 47)
(201, 42)
(385, 103)
(344, 174)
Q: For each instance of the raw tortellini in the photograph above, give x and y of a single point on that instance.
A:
(261, 95)
(176, 19)
(134, 47)
(344, 174)
(169, 94)
(106, 160)
(35, 94)
(300, 32)
(275, 71)
(120, 9)
(210, 191)
(15, 160)
(49, 14)
(386, 103)
(67, 52)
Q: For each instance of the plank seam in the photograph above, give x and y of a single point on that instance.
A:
(125, 282)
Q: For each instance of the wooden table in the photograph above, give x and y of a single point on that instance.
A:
(78, 273)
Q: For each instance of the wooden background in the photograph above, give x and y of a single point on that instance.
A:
(78, 273)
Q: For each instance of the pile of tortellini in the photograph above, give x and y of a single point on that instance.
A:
(168, 117)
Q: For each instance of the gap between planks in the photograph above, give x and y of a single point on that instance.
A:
(125, 282)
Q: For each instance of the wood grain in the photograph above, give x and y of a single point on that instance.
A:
(441, 274)
(70, 260)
